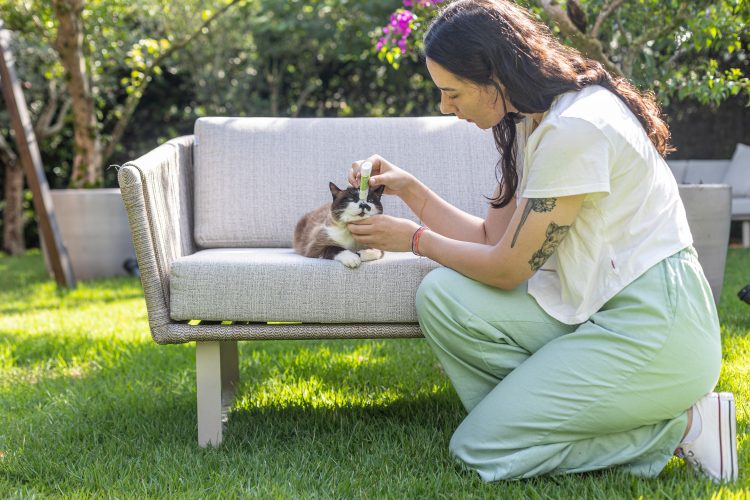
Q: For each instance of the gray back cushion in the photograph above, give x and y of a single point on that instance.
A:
(255, 177)
(678, 168)
(738, 175)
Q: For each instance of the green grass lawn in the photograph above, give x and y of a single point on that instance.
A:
(90, 406)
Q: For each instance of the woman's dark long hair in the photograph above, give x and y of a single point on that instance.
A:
(494, 42)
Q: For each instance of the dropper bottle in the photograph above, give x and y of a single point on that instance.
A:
(364, 180)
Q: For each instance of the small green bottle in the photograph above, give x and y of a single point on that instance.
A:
(364, 180)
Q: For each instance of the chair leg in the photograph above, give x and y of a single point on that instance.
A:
(217, 374)
(746, 233)
(230, 372)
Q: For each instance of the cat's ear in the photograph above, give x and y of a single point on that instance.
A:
(378, 191)
(334, 189)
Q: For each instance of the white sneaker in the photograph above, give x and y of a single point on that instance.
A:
(714, 451)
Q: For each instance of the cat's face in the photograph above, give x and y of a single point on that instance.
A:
(346, 206)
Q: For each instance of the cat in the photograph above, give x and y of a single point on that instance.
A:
(322, 233)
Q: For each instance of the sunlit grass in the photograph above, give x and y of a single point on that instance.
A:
(90, 406)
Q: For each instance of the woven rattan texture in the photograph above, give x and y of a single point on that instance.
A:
(180, 333)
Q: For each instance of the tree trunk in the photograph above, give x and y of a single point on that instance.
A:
(13, 240)
(87, 157)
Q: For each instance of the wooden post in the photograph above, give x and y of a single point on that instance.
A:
(31, 160)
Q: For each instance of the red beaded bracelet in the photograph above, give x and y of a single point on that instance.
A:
(415, 240)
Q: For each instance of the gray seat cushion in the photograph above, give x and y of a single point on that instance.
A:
(224, 284)
(741, 208)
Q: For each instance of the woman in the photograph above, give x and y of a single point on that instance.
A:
(574, 321)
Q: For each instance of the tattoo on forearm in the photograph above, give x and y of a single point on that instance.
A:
(537, 205)
(555, 234)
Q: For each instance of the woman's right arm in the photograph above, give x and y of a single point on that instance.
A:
(434, 212)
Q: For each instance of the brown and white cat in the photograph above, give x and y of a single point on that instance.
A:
(323, 234)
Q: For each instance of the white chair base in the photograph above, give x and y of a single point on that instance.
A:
(217, 375)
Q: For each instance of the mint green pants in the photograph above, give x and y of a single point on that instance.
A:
(546, 397)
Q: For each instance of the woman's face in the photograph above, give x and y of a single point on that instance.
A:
(478, 104)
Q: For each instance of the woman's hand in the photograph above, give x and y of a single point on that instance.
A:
(384, 173)
(384, 232)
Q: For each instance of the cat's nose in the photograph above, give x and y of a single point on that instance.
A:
(365, 206)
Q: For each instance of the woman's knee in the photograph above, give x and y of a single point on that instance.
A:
(431, 292)
(473, 450)
(461, 444)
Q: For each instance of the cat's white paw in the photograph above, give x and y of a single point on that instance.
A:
(369, 254)
(349, 259)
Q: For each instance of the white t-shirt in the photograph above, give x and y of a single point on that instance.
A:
(589, 142)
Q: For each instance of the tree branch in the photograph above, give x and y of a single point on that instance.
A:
(603, 14)
(60, 122)
(588, 45)
(7, 154)
(131, 103)
(45, 117)
(44, 126)
(311, 86)
(635, 46)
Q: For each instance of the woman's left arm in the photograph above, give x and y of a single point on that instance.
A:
(532, 236)
(534, 233)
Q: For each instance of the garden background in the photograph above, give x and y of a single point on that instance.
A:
(90, 406)
(108, 80)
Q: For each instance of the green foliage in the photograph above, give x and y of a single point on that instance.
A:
(124, 44)
(92, 407)
(37, 66)
(681, 49)
(273, 58)
(315, 58)
(248, 66)
(299, 59)
(697, 49)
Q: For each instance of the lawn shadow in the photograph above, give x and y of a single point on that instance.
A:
(135, 412)
(145, 393)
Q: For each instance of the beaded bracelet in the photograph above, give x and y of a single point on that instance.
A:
(415, 240)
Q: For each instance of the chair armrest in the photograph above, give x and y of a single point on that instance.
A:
(157, 191)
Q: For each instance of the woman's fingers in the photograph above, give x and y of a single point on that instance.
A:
(362, 234)
(361, 227)
(377, 180)
(354, 175)
(362, 231)
(384, 232)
